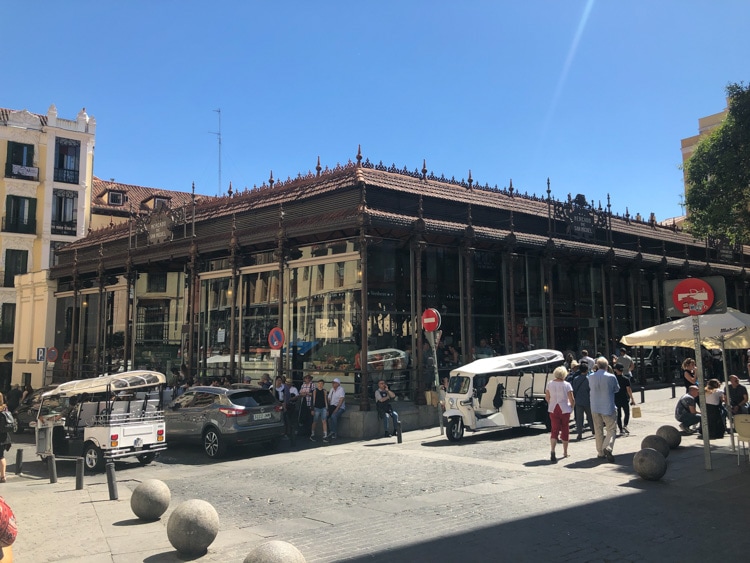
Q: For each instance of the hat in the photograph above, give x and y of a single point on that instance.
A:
(337, 380)
(573, 364)
(619, 367)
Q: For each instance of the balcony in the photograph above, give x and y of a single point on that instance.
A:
(66, 176)
(21, 172)
(68, 228)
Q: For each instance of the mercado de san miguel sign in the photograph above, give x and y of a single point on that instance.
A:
(582, 219)
(159, 227)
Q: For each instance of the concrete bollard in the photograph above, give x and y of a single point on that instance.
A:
(650, 464)
(79, 473)
(192, 527)
(52, 469)
(150, 499)
(657, 443)
(111, 481)
(275, 551)
(671, 435)
(19, 461)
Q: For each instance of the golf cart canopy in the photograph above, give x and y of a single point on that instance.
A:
(119, 382)
(521, 361)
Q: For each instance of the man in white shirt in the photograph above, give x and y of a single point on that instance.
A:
(336, 407)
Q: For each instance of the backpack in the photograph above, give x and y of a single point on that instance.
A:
(6, 421)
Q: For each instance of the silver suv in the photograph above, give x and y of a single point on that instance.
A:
(218, 417)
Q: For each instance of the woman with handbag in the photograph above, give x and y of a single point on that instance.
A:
(560, 403)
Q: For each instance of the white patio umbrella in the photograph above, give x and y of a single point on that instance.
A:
(722, 330)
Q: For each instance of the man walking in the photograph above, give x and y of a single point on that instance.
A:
(602, 389)
(627, 364)
(580, 382)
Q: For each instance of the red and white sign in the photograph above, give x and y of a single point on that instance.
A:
(276, 338)
(693, 296)
(431, 320)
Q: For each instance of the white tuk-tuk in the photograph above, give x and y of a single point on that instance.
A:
(500, 392)
(103, 418)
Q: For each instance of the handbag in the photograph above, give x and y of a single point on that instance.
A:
(636, 412)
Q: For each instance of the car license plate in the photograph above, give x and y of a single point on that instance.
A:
(261, 416)
(138, 443)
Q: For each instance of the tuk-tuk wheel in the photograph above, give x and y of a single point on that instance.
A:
(455, 430)
(145, 459)
(93, 457)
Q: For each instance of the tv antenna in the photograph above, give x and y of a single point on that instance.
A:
(218, 136)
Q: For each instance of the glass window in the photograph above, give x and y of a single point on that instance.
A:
(67, 160)
(64, 212)
(15, 263)
(20, 215)
(53, 247)
(157, 282)
(20, 162)
(205, 400)
(7, 322)
(115, 198)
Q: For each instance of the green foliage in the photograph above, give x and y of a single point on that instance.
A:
(718, 175)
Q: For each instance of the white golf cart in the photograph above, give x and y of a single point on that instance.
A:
(499, 393)
(103, 418)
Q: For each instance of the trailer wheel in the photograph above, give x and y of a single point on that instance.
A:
(93, 457)
(145, 459)
(455, 430)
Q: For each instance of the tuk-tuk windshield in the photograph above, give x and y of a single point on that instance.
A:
(54, 404)
(458, 384)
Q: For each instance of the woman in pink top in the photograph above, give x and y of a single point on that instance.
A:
(560, 403)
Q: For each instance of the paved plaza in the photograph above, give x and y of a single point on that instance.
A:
(491, 497)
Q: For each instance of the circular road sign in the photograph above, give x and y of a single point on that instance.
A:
(693, 296)
(52, 354)
(276, 338)
(431, 320)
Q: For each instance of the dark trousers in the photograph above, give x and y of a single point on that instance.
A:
(620, 409)
(305, 419)
(579, 412)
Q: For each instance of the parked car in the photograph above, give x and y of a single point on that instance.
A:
(28, 410)
(217, 418)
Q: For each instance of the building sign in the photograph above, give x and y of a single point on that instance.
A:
(29, 171)
(582, 223)
(160, 227)
(581, 218)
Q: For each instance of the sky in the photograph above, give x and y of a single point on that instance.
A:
(594, 95)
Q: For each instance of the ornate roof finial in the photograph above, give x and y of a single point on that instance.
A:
(359, 156)
(549, 191)
(271, 180)
(318, 168)
(230, 189)
(510, 188)
(424, 169)
(471, 181)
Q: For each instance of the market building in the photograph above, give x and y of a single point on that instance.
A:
(345, 260)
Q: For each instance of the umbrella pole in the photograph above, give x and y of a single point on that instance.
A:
(701, 391)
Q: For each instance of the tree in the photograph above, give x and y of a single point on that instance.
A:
(718, 175)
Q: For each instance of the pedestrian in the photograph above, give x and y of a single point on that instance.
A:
(383, 397)
(27, 391)
(579, 381)
(560, 403)
(305, 408)
(265, 381)
(623, 399)
(319, 410)
(685, 411)
(281, 390)
(626, 362)
(5, 442)
(715, 412)
(688, 373)
(336, 407)
(603, 386)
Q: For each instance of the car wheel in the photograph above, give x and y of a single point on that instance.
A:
(93, 457)
(213, 443)
(455, 430)
(145, 459)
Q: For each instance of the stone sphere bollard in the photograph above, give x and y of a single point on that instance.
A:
(192, 527)
(150, 499)
(656, 443)
(650, 464)
(671, 435)
(275, 552)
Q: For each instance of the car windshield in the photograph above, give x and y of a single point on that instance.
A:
(254, 398)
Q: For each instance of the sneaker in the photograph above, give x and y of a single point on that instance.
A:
(326, 439)
(625, 430)
(387, 434)
(608, 455)
(312, 438)
(332, 436)
(684, 428)
(579, 438)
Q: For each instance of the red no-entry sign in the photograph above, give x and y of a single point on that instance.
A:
(693, 296)
(431, 320)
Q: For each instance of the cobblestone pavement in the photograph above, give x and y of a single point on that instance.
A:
(490, 497)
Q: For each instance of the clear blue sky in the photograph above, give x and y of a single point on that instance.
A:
(593, 94)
